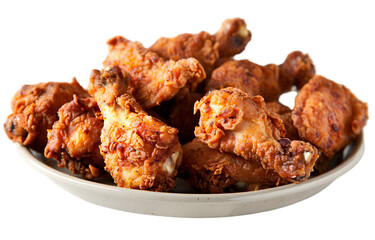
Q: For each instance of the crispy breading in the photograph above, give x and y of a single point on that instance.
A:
(297, 70)
(75, 138)
(153, 79)
(234, 122)
(232, 37)
(208, 49)
(247, 76)
(269, 81)
(210, 170)
(34, 110)
(140, 151)
(328, 115)
(201, 46)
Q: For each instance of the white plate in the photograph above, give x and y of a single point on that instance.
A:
(190, 204)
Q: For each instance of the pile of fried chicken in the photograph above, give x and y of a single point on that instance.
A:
(136, 112)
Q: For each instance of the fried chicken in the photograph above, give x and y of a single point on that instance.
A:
(328, 115)
(208, 49)
(140, 152)
(209, 170)
(34, 110)
(153, 79)
(247, 76)
(232, 37)
(233, 122)
(297, 70)
(269, 81)
(285, 114)
(75, 138)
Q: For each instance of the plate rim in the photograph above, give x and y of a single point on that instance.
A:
(350, 161)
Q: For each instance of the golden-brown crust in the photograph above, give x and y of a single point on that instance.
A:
(113, 76)
(140, 151)
(34, 110)
(75, 138)
(269, 81)
(209, 170)
(297, 70)
(200, 46)
(328, 115)
(208, 49)
(247, 76)
(232, 37)
(234, 122)
(225, 109)
(153, 79)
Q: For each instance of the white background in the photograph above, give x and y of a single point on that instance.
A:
(45, 41)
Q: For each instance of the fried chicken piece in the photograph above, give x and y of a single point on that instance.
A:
(285, 114)
(247, 76)
(182, 116)
(200, 46)
(75, 138)
(297, 70)
(269, 81)
(228, 41)
(153, 79)
(209, 170)
(234, 122)
(232, 37)
(140, 151)
(34, 110)
(328, 115)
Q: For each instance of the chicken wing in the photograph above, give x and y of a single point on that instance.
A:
(140, 151)
(328, 115)
(233, 122)
(269, 81)
(209, 170)
(228, 41)
(153, 80)
(35, 109)
(75, 138)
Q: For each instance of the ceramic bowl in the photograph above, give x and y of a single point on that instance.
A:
(103, 192)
